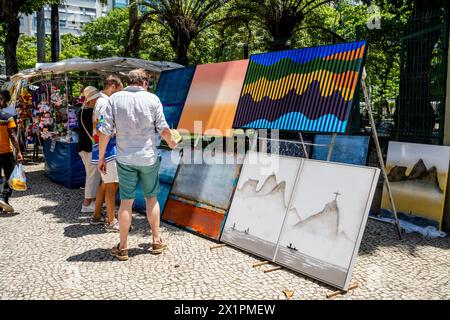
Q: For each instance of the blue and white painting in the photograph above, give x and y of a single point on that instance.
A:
(173, 87)
(347, 149)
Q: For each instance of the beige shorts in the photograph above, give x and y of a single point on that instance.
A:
(111, 173)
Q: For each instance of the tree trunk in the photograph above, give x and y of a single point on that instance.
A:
(181, 47)
(40, 35)
(132, 17)
(11, 40)
(55, 32)
(279, 43)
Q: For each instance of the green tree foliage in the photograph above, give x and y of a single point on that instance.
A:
(380, 27)
(10, 11)
(280, 18)
(184, 21)
(72, 46)
(106, 36)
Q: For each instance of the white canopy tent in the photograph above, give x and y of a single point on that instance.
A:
(117, 65)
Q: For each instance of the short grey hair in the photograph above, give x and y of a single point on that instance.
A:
(137, 77)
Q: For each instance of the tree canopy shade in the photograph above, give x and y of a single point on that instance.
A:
(184, 20)
(10, 11)
(280, 18)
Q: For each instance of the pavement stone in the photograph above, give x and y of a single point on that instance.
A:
(49, 251)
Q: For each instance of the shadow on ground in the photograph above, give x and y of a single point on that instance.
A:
(67, 202)
(102, 255)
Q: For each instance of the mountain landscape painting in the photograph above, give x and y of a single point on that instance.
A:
(418, 176)
(260, 203)
(326, 219)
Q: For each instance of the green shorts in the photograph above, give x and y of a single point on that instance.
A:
(130, 175)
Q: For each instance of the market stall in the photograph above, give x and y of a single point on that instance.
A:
(46, 100)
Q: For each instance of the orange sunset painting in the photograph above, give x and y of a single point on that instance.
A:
(213, 97)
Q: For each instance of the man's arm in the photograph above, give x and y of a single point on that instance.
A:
(162, 127)
(167, 136)
(15, 143)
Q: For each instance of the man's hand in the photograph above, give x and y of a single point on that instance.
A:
(19, 157)
(166, 134)
(102, 166)
(172, 144)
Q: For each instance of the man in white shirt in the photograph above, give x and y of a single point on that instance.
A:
(137, 116)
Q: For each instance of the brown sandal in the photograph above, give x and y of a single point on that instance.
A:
(120, 254)
(158, 248)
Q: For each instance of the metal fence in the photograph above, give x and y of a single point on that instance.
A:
(420, 105)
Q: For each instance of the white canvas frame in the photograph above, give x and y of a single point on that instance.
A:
(375, 176)
(376, 173)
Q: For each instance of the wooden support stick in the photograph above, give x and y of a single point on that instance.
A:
(216, 246)
(331, 147)
(338, 292)
(273, 269)
(303, 145)
(260, 263)
(380, 154)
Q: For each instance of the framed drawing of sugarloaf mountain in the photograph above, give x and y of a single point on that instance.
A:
(260, 203)
(307, 215)
(326, 219)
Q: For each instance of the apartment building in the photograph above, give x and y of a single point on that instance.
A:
(73, 15)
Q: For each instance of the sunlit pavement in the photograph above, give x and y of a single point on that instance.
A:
(49, 251)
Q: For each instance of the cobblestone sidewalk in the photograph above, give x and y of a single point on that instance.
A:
(49, 251)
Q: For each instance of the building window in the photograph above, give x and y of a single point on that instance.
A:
(90, 11)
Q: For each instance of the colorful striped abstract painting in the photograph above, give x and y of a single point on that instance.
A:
(310, 89)
(213, 98)
(172, 90)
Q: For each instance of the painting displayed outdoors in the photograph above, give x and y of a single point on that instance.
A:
(203, 208)
(309, 89)
(346, 149)
(287, 148)
(418, 176)
(213, 97)
(170, 159)
(326, 220)
(172, 90)
(260, 203)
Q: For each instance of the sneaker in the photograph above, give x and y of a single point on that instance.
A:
(158, 248)
(88, 209)
(121, 255)
(113, 227)
(97, 222)
(5, 206)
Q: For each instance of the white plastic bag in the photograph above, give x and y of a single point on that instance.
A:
(18, 181)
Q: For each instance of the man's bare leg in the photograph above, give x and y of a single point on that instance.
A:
(125, 216)
(153, 217)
